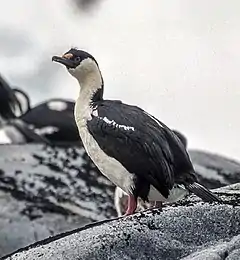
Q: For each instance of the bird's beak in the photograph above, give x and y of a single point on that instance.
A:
(65, 61)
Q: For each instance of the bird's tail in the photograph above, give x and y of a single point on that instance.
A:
(202, 192)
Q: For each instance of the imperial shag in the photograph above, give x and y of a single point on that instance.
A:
(132, 148)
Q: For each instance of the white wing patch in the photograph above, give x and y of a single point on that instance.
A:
(113, 123)
(57, 105)
(46, 130)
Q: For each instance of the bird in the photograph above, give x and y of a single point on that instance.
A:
(51, 122)
(136, 151)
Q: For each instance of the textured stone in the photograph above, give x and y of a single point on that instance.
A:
(189, 229)
(45, 191)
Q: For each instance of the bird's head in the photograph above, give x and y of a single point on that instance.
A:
(80, 64)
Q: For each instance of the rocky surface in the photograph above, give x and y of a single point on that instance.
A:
(213, 170)
(45, 191)
(187, 230)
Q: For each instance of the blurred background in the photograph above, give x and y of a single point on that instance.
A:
(177, 59)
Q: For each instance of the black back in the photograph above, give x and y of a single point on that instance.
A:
(62, 122)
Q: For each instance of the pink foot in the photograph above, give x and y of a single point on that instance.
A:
(132, 205)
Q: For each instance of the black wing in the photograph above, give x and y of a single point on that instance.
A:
(141, 143)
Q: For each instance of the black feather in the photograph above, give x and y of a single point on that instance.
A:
(151, 151)
(202, 192)
(8, 101)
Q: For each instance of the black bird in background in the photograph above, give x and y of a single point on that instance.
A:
(50, 122)
(9, 103)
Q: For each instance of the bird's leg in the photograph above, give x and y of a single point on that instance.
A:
(132, 205)
(158, 204)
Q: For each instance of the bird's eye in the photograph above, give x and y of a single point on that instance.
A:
(77, 59)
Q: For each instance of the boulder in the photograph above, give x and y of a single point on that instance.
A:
(48, 190)
(189, 229)
(215, 170)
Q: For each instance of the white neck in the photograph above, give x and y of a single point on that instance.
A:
(89, 86)
(89, 78)
(90, 81)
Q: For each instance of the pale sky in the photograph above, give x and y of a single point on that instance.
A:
(179, 60)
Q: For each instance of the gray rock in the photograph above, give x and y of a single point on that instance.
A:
(62, 179)
(222, 250)
(45, 191)
(189, 229)
(18, 230)
(213, 170)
